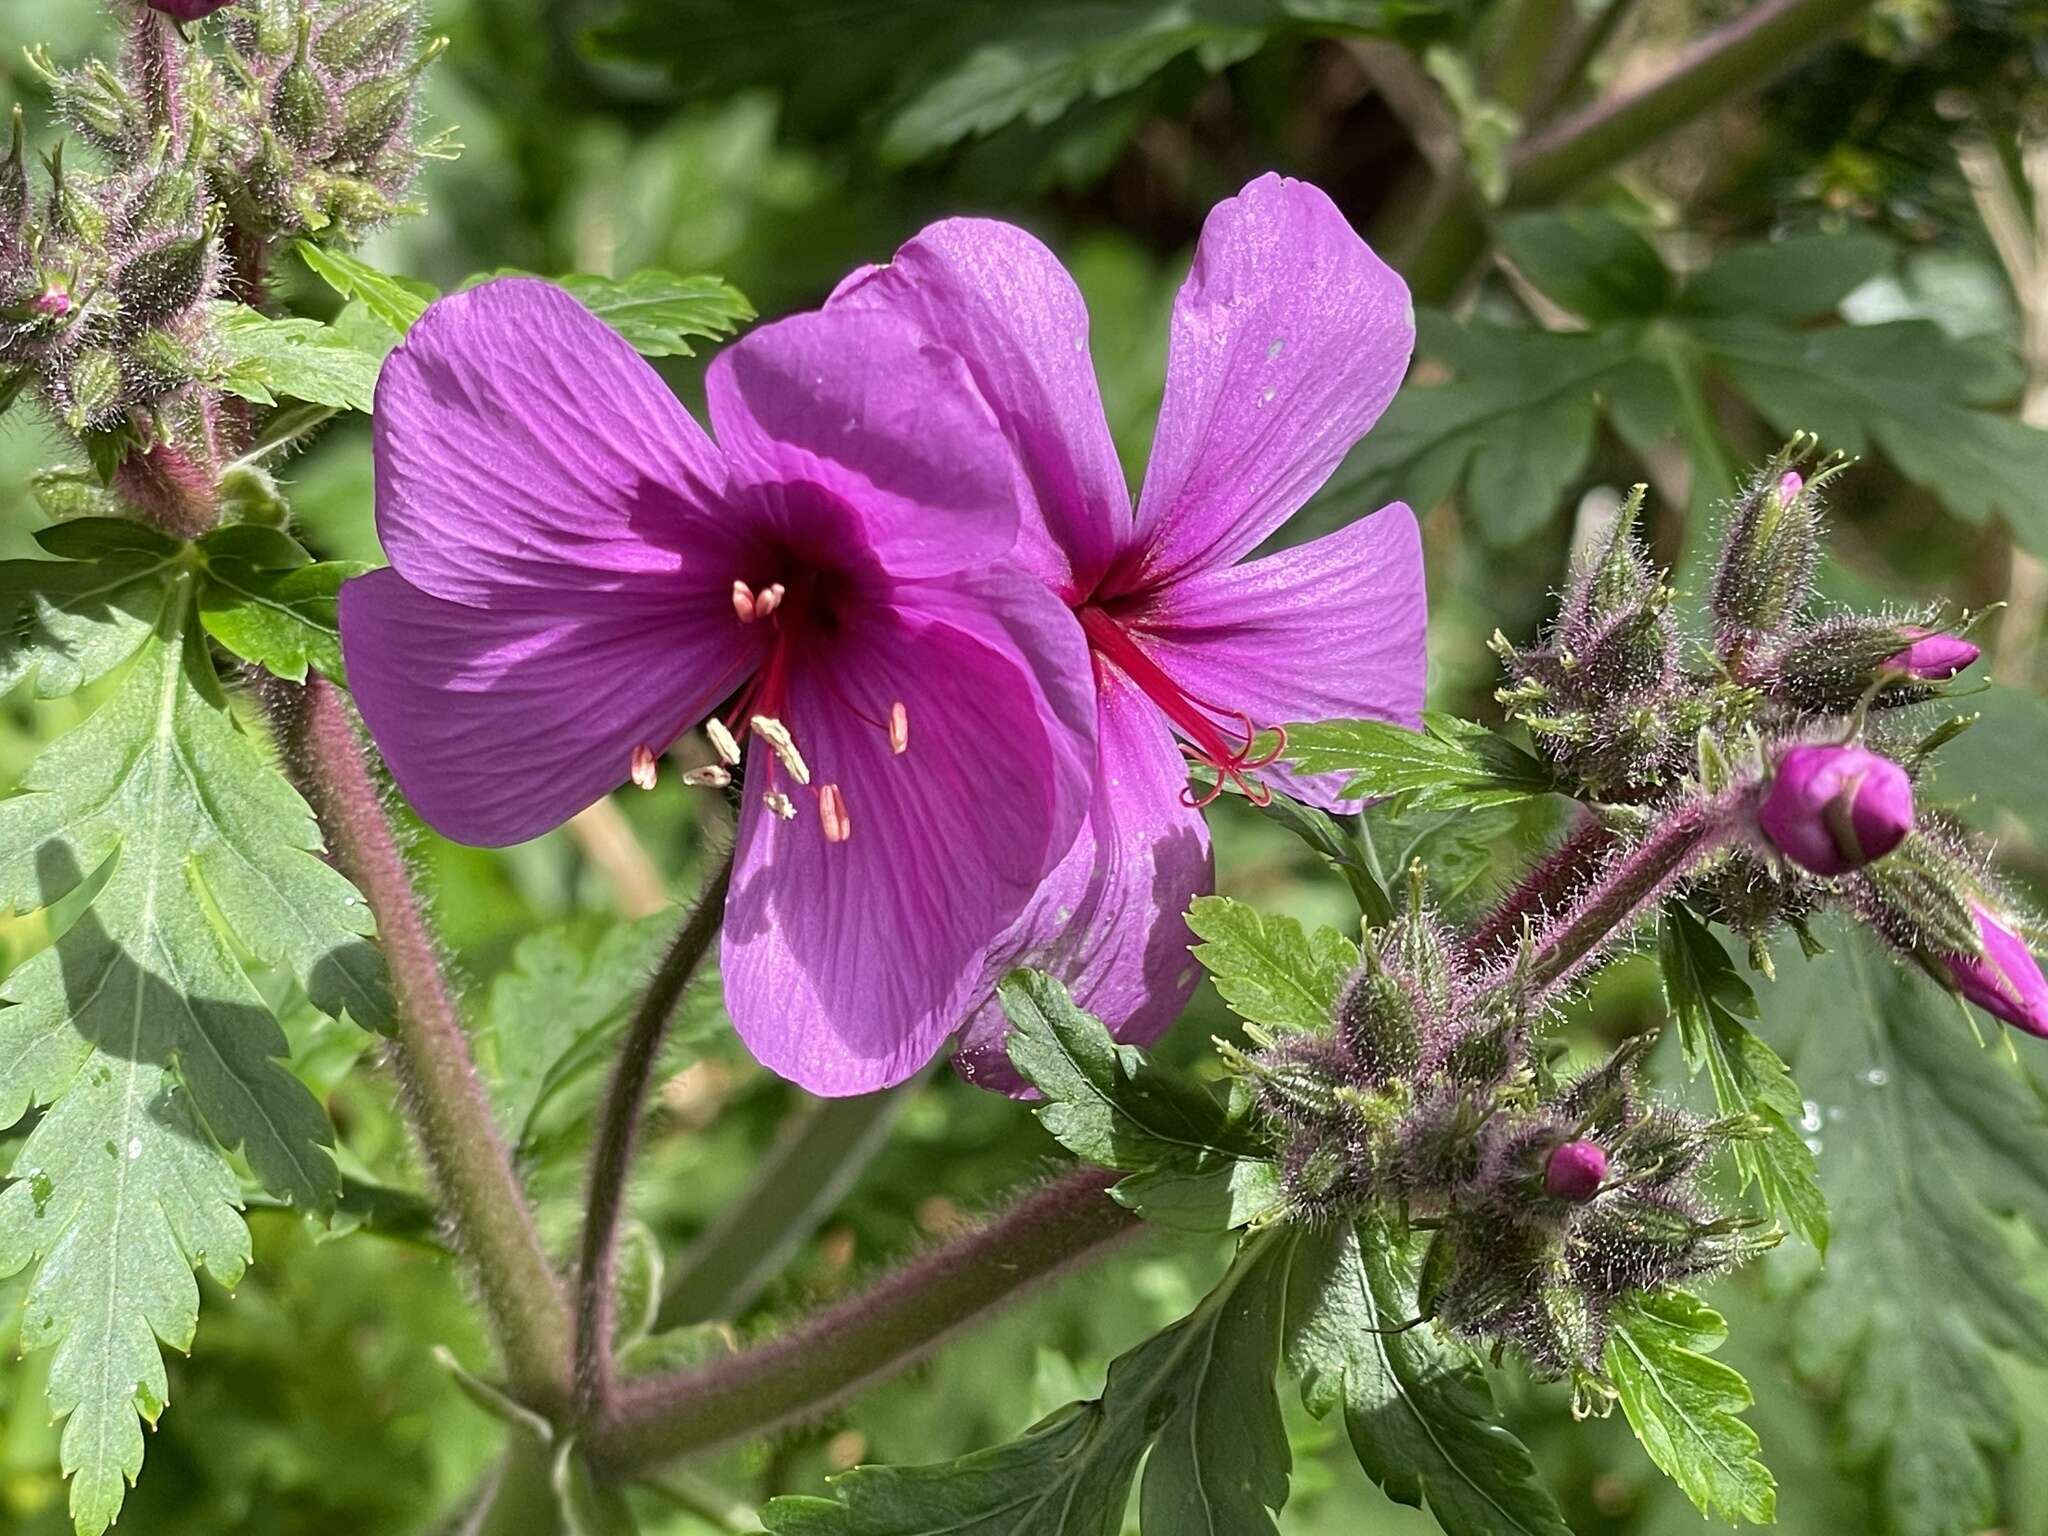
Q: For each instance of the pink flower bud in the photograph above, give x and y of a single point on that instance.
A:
(188, 10)
(1575, 1172)
(2005, 981)
(1789, 486)
(1933, 656)
(1834, 809)
(53, 303)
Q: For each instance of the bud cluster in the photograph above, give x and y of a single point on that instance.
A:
(302, 125)
(321, 96)
(1550, 1199)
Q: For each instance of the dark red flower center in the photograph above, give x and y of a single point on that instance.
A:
(1217, 738)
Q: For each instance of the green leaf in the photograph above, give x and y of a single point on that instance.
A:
(1589, 261)
(1512, 427)
(1107, 1103)
(1931, 1146)
(658, 311)
(1789, 280)
(1269, 969)
(588, 1507)
(265, 601)
(1710, 1001)
(551, 1018)
(69, 623)
(1199, 1395)
(143, 1036)
(1683, 1406)
(1450, 764)
(1415, 1404)
(1907, 389)
(397, 301)
(300, 359)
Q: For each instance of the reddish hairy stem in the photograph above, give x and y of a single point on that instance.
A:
(440, 1093)
(618, 1132)
(868, 1338)
(1541, 891)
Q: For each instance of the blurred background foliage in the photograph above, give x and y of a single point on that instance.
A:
(1856, 248)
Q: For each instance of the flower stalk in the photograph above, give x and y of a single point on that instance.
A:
(619, 1130)
(868, 1338)
(442, 1097)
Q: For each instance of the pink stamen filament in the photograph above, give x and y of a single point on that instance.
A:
(1203, 724)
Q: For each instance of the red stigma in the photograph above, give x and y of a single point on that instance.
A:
(1217, 738)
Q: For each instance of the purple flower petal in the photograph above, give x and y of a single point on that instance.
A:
(1289, 338)
(521, 443)
(847, 964)
(853, 401)
(999, 298)
(500, 725)
(1111, 920)
(1330, 630)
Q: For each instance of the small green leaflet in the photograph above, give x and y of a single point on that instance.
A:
(294, 358)
(1589, 261)
(1934, 1149)
(70, 622)
(1198, 1394)
(1415, 1404)
(1193, 1162)
(1710, 1002)
(1450, 764)
(267, 601)
(1269, 969)
(1683, 1406)
(140, 1031)
(397, 301)
(658, 312)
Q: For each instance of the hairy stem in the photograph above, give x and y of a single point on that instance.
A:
(1540, 892)
(1631, 880)
(822, 1149)
(441, 1095)
(618, 1130)
(868, 1338)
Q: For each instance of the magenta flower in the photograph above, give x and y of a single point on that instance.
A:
(188, 10)
(2006, 980)
(579, 575)
(1933, 657)
(1289, 338)
(1831, 809)
(1575, 1171)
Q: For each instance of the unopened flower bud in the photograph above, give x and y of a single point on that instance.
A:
(2005, 980)
(1575, 1172)
(1933, 656)
(1379, 1024)
(1767, 557)
(1834, 809)
(188, 10)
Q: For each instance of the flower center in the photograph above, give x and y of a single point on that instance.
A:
(1217, 738)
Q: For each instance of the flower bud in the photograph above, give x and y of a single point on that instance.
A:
(2005, 980)
(1767, 556)
(1379, 1024)
(1833, 809)
(1575, 1172)
(188, 10)
(1932, 656)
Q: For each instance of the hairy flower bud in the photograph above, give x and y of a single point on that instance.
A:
(1832, 809)
(1933, 656)
(1575, 1171)
(1767, 555)
(2005, 980)
(1379, 1024)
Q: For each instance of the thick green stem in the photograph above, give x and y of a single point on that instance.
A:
(1742, 56)
(442, 1097)
(1746, 54)
(618, 1130)
(828, 1358)
(823, 1148)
